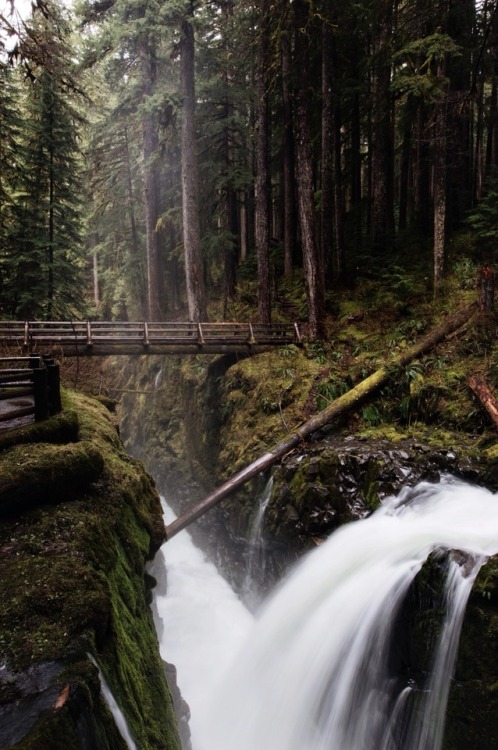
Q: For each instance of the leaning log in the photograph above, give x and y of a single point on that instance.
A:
(342, 405)
(480, 388)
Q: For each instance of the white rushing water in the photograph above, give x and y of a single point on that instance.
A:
(313, 673)
(203, 623)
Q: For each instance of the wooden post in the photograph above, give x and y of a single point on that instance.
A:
(53, 385)
(41, 393)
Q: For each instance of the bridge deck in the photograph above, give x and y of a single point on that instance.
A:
(100, 338)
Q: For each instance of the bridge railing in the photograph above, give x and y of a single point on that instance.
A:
(34, 383)
(90, 333)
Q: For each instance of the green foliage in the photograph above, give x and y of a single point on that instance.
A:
(371, 415)
(40, 256)
(316, 351)
(483, 220)
(465, 271)
(329, 390)
(416, 71)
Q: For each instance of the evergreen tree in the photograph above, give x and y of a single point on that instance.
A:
(10, 128)
(41, 257)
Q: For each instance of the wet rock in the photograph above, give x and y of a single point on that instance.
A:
(341, 479)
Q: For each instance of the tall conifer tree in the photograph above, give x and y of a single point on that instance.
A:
(41, 258)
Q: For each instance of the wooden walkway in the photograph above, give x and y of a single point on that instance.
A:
(99, 338)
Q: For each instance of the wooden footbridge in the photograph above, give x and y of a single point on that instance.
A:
(99, 338)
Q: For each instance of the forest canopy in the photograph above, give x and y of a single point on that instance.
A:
(156, 157)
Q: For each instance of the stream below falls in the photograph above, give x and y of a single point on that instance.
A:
(315, 670)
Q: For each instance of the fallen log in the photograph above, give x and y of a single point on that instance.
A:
(480, 388)
(345, 403)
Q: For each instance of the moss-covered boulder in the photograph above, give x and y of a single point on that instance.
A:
(80, 518)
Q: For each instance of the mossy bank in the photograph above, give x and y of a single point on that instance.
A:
(79, 520)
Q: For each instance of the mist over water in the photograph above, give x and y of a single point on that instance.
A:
(313, 672)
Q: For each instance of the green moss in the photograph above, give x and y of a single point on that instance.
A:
(61, 428)
(31, 474)
(72, 581)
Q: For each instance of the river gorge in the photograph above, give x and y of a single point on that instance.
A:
(322, 569)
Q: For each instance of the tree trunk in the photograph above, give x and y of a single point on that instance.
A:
(190, 206)
(327, 209)
(290, 228)
(339, 208)
(135, 247)
(478, 386)
(439, 191)
(96, 285)
(51, 225)
(150, 143)
(382, 154)
(356, 173)
(460, 26)
(342, 405)
(406, 150)
(313, 268)
(487, 290)
(229, 217)
(262, 182)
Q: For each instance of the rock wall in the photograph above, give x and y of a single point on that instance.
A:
(79, 520)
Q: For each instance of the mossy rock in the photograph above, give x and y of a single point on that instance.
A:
(34, 474)
(72, 582)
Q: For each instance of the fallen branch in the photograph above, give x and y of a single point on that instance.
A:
(345, 403)
(480, 388)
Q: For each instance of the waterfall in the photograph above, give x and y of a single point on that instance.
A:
(200, 621)
(316, 672)
(256, 558)
(115, 710)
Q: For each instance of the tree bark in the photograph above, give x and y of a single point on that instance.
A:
(342, 405)
(229, 217)
(327, 209)
(313, 268)
(190, 203)
(290, 228)
(262, 182)
(440, 191)
(487, 289)
(382, 150)
(150, 143)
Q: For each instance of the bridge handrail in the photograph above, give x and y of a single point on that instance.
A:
(88, 333)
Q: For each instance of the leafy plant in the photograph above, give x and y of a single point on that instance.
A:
(371, 415)
(317, 352)
(465, 272)
(329, 391)
(484, 219)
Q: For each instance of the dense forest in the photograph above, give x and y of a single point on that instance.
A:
(155, 155)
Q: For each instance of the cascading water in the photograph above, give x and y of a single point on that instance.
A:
(316, 671)
(256, 559)
(200, 621)
(118, 715)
